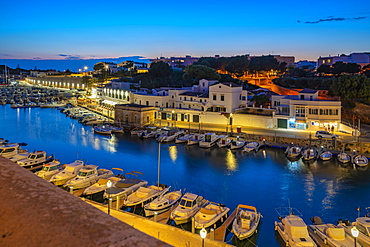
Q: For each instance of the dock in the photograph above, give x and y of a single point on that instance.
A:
(220, 233)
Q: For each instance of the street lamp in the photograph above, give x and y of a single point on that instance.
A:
(109, 184)
(355, 233)
(203, 235)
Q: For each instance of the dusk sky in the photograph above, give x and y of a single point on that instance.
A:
(98, 29)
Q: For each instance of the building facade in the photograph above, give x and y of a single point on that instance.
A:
(58, 82)
(362, 59)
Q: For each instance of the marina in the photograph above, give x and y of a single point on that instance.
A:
(265, 179)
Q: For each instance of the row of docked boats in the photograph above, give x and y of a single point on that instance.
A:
(309, 153)
(294, 232)
(206, 140)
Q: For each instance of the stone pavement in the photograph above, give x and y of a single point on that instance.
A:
(35, 213)
(166, 233)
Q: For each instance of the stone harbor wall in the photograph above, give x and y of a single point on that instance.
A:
(37, 213)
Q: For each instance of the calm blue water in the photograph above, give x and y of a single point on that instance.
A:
(265, 179)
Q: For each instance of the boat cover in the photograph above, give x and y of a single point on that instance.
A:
(295, 226)
(336, 233)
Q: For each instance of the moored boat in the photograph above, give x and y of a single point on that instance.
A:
(11, 149)
(87, 176)
(237, 144)
(35, 159)
(343, 157)
(309, 153)
(210, 140)
(50, 169)
(246, 221)
(195, 139)
(293, 152)
(162, 203)
(144, 195)
(189, 205)
(211, 215)
(251, 146)
(224, 141)
(360, 160)
(102, 130)
(124, 188)
(70, 171)
(363, 226)
(327, 155)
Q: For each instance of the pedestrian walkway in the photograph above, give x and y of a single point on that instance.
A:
(166, 233)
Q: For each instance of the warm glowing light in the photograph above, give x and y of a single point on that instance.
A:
(203, 233)
(354, 232)
(231, 161)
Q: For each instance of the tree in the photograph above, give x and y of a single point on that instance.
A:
(352, 87)
(160, 69)
(237, 65)
(338, 68)
(324, 69)
(198, 72)
(263, 63)
(99, 66)
(260, 99)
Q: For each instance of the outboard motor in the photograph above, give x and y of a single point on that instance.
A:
(316, 220)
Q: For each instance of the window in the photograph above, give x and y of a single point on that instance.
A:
(185, 98)
(302, 97)
(172, 96)
(214, 97)
(313, 111)
(300, 111)
(222, 97)
(196, 118)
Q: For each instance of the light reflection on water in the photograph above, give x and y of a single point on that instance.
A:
(265, 179)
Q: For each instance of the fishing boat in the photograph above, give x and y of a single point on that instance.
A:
(189, 205)
(327, 155)
(169, 136)
(211, 215)
(100, 186)
(183, 138)
(11, 149)
(237, 144)
(246, 221)
(309, 153)
(50, 169)
(210, 140)
(330, 234)
(224, 141)
(144, 195)
(293, 152)
(70, 171)
(162, 203)
(87, 176)
(343, 157)
(102, 130)
(251, 146)
(292, 229)
(195, 139)
(35, 159)
(124, 188)
(360, 160)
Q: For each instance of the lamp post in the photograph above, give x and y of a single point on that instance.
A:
(203, 235)
(174, 117)
(355, 233)
(109, 185)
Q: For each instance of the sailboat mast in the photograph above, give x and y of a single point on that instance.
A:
(159, 162)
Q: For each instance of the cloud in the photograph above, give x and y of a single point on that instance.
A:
(70, 57)
(334, 19)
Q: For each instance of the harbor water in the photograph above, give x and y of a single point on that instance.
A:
(265, 179)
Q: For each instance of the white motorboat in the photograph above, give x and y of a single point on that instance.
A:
(35, 159)
(363, 226)
(124, 188)
(144, 195)
(360, 160)
(343, 157)
(50, 169)
(210, 140)
(246, 221)
(162, 203)
(195, 139)
(237, 144)
(293, 152)
(331, 235)
(210, 214)
(100, 186)
(115, 129)
(11, 149)
(102, 130)
(87, 176)
(251, 146)
(327, 155)
(171, 136)
(183, 138)
(224, 141)
(189, 205)
(293, 230)
(309, 153)
(70, 171)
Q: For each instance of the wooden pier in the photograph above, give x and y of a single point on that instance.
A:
(220, 233)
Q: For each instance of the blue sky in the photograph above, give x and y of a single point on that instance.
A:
(98, 29)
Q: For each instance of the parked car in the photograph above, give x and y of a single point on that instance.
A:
(325, 134)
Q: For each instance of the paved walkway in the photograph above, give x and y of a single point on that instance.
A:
(166, 233)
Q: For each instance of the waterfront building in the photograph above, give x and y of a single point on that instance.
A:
(307, 111)
(66, 82)
(361, 59)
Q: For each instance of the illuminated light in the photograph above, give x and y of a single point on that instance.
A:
(264, 153)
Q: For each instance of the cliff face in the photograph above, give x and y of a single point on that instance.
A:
(37, 213)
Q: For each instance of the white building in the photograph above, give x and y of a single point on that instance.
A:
(306, 111)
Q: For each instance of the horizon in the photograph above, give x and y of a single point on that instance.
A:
(91, 30)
